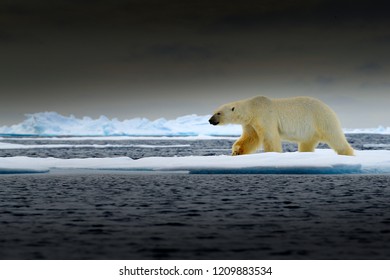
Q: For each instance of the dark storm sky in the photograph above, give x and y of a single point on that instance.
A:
(149, 58)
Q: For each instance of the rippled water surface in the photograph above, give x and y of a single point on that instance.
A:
(180, 216)
(123, 215)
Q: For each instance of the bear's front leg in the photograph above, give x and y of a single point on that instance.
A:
(237, 148)
(248, 143)
(273, 144)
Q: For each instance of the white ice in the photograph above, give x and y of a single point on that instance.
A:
(119, 138)
(322, 161)
(54, 124)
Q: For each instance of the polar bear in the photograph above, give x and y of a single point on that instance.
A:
(265, 122)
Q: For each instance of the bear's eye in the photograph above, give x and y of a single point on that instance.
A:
(218, 114)
(233, 109)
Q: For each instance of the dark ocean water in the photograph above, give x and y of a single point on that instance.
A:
(122, 215)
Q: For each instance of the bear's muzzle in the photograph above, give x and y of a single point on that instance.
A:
(213, 120)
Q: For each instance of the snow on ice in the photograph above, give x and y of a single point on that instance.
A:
(323, 161)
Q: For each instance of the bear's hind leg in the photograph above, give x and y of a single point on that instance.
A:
(346, 150)
(307, 146)
(340, 145)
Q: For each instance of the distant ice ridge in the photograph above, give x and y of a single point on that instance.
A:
(54, 124)
(379, 130)
(323, 161)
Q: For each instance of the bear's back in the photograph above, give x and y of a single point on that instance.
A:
(302, 117)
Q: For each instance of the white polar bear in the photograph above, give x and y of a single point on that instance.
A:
(265, 122)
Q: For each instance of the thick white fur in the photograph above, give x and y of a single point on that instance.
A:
(266, 122)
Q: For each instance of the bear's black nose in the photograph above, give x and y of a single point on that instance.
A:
(213, 121)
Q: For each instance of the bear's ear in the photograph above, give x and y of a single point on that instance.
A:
(233, 109)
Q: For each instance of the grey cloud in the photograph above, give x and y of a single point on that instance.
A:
(325, 80)
(6, 37)
(380, 86)
(370, 68)
(329, 13)
(180, 52)
(382, 39)
(69, 54)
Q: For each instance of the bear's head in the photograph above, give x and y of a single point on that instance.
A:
(224, 115)
(242, 111)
